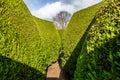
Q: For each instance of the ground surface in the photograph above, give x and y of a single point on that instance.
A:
(55, 72)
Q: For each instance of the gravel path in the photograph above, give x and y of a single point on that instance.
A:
(55, 72)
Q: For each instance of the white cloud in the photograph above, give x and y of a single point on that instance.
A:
(50, 10)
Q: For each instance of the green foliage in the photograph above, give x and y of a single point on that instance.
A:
(26, 40)
(13, 70)
(61, 33)
(73, 36)
(100, 61)
(50, 39)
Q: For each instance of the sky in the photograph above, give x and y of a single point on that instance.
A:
(47, 9)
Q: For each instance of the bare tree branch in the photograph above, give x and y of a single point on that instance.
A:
(61, 19)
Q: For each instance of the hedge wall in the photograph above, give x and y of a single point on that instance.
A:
(50, 40)
(27, 46)
(73, 36)
(100, 57)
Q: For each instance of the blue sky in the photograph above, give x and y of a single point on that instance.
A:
(36, 4)
(47, 9)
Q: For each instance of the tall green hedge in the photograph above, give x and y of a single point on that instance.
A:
(27, 45)
(73, 36)
(50, 40)
(100, 57)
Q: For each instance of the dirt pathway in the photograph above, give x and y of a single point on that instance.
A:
(55, 72)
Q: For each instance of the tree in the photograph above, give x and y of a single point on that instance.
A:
(61, 19)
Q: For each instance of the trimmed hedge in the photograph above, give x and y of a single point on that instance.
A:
(100, 56)
(30, 44)
(72, 39)
(50, 40)
(61, 33)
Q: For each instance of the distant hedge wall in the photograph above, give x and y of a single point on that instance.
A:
(27, 45)
(100, 57)
(73, 36)
(50, 40)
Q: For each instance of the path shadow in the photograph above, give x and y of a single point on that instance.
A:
(52, 78)
(63, 75)
(13, 70)
(70, 65)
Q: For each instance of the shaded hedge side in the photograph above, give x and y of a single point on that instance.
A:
(100, 61)
(72, 39)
